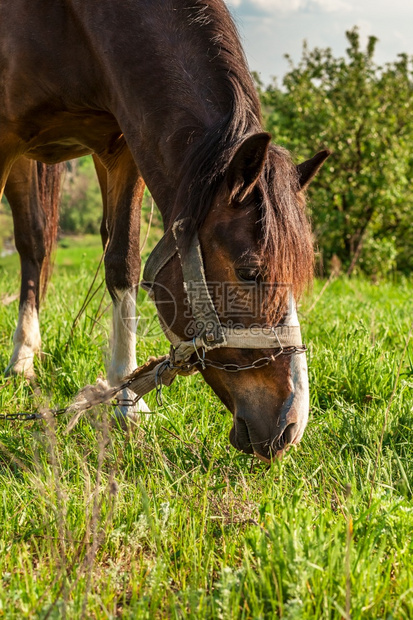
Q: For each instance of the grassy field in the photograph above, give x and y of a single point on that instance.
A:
(169, 521)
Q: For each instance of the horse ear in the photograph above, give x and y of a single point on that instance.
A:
(246, 165)
(308, 169)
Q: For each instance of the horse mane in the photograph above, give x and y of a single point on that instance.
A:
(285, 236)
(286, 247)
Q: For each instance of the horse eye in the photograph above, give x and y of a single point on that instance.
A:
(248, 274)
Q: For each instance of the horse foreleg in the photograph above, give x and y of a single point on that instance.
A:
(123, 360)
(29, 231)
(120, 234)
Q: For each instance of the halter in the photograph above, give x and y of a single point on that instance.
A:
(210, 332)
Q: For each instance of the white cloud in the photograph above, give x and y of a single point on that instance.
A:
(292, 6)
(271, 28)
(329, 6)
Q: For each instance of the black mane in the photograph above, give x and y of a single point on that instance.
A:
(286, 243)
(240, 114)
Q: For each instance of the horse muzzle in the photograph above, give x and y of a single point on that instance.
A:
(254, 437)
(266, 426)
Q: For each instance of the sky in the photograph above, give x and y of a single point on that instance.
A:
(271, 28)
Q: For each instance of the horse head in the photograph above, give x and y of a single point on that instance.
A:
(227, 292)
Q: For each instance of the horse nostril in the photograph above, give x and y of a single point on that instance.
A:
(239, 436)
(287, 436)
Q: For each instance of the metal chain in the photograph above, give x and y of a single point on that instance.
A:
(228, 367)
(25, 416)
(259, 363)
(202, 361)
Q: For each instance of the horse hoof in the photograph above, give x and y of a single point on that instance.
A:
(21, 368)
(126, 415)
(142, 406)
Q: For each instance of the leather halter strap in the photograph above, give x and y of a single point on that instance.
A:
(211, 334)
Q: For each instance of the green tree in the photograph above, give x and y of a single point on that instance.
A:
(361, 202)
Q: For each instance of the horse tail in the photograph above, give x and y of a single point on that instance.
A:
(49, 183)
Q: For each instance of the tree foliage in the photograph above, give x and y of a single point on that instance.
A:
(81, 208)
(361, 202)
(81, 204)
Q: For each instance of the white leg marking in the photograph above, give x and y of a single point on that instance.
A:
(123, 360)
(26, 341)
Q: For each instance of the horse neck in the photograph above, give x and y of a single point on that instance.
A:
(167, 87)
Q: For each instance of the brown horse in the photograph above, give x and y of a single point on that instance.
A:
(159, 92)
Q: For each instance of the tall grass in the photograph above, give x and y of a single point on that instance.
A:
(170, 521)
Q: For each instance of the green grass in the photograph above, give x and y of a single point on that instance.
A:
(169, 521)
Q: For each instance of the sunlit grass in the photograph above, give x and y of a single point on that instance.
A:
(169, 520)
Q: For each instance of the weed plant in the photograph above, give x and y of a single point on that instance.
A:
(168, 520)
